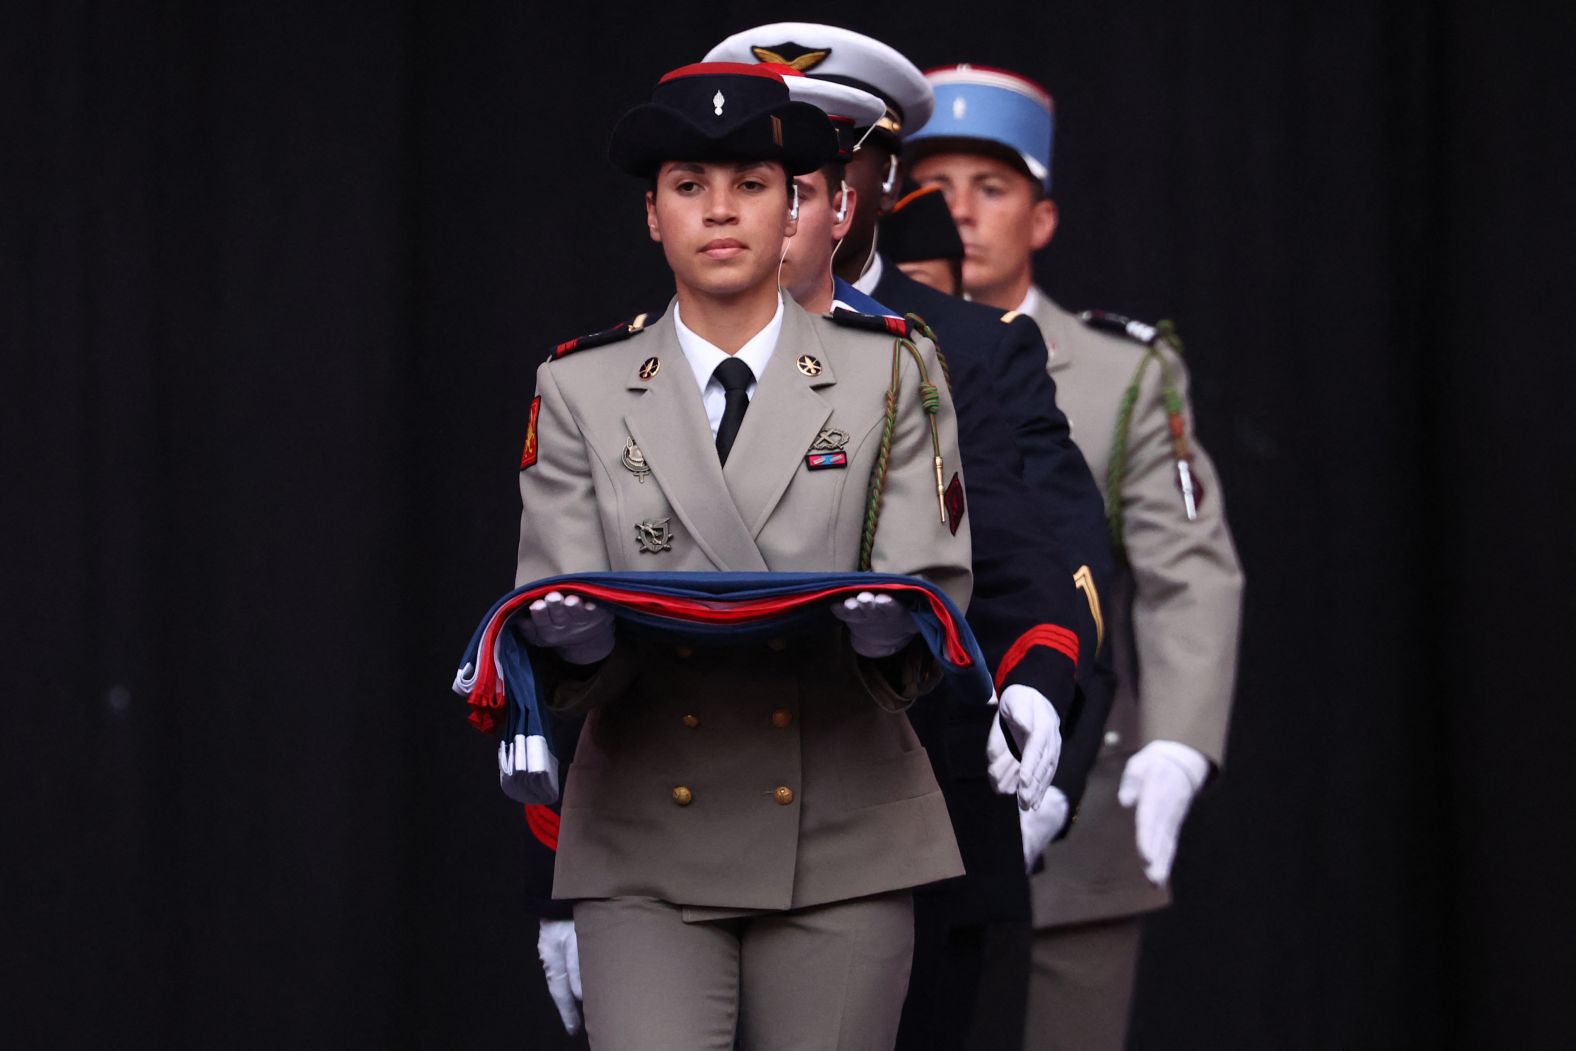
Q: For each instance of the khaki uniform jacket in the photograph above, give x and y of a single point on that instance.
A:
(768, 777)
(1172, 621)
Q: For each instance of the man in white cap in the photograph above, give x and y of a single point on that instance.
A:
(971, 955)
(1176, 610)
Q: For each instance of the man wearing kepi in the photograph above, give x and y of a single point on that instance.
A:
(971, 964)
(1173, 618)
(741, 826)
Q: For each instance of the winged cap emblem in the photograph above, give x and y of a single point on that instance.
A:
(803, 59)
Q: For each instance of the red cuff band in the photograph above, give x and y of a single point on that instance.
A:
(543, 823)
(1057, 638)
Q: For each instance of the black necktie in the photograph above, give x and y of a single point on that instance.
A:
(735, 377)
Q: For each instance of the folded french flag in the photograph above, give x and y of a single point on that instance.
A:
(498, 682)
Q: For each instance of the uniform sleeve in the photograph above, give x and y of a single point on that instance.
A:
(911, 537)
(560, 531)
(1055, 473)
(1187, 582)
(1026, 610)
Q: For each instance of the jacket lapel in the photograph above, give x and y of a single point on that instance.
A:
(783, 420)
(668, 422)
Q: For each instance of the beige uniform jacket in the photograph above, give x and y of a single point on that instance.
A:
(768, 777)
(1173, 621)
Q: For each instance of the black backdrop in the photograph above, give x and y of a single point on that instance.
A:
(275, 280)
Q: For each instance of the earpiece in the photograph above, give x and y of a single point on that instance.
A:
(793, 209)
(890, 182)
(842, 208)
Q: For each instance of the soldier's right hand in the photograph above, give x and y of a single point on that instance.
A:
(560, 952)
(579, 629)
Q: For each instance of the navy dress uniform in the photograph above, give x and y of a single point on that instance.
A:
(1174, 612)
(741, 826)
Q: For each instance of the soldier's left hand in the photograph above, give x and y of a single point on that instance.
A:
(1034, 724)
(1040, 824)
(579, 629)
(877, 625)
(1161, 779)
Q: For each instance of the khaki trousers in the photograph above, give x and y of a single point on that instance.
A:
(1081, 986)
(820, 978)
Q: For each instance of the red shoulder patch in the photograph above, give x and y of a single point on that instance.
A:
(528, 457)
(955, 504)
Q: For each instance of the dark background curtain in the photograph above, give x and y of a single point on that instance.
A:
(274, 280)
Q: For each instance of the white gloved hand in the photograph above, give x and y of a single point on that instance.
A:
(877, 625)
(560, 952)
(1161, 778)
(579, 629)
(999, 763)
(1037, 728)
(1041, 824)
(527, 771)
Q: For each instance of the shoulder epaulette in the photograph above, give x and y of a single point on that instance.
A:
(1120, 326)
(892, 326)
(621, 331)
(1148, 335)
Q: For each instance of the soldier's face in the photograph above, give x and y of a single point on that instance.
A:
(808, 265)
(721, 225)
(1001, 217)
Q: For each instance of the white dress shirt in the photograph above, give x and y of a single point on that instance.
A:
(1031, 301)
(704, 357)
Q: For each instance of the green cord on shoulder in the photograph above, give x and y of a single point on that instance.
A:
(930, 401)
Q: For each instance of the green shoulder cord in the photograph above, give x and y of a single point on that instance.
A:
(919, 324)
(930, 399)
(1171, 398)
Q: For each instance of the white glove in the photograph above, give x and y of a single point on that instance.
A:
(1041, 824)
(1038, 730)
(1161, 778)
(999, 763)
(579, 629)
(560, 952)
(527, 771)
(877, 626)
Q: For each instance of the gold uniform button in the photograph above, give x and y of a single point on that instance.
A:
(683, 796)
(776, 645)
(781, 718)
(691, 721)
(783, 795)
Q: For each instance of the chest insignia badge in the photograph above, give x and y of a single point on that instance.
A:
(654, 536)
(635, 461)
(649, 368)
(828, 450)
